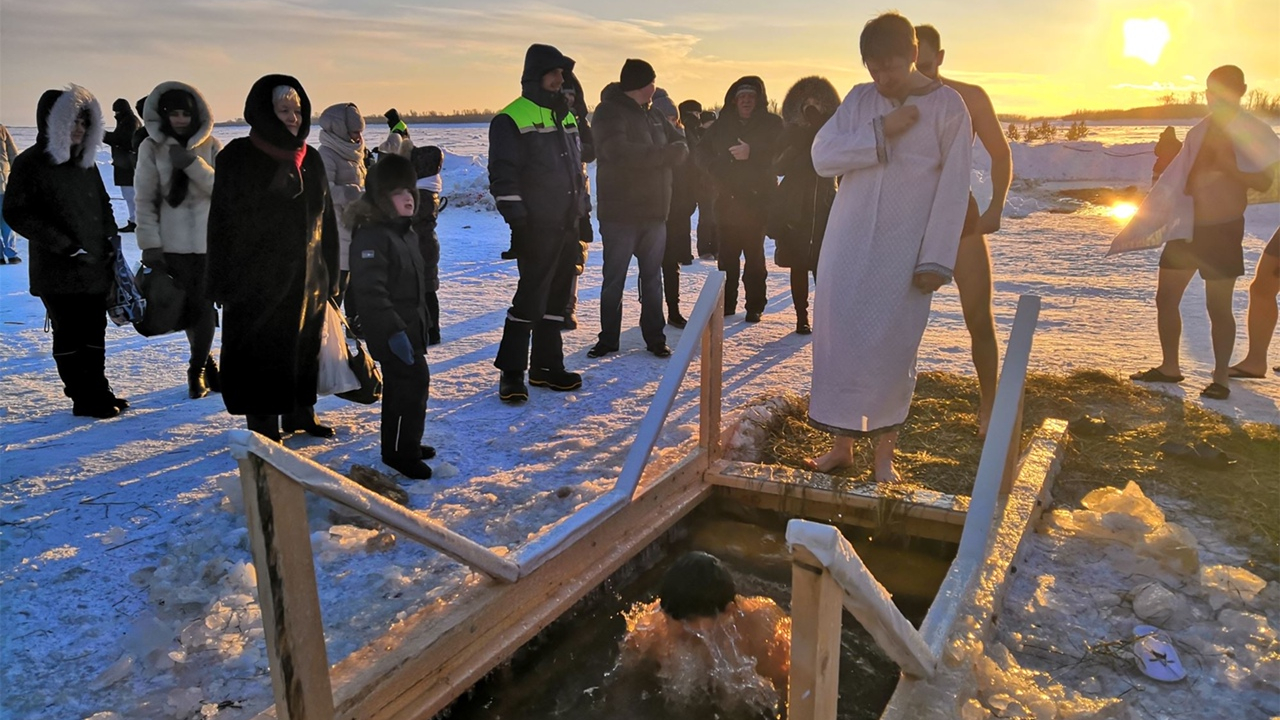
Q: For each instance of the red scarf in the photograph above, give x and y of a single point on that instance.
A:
(279, 153)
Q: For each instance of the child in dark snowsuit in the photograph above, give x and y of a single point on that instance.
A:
(390, 280)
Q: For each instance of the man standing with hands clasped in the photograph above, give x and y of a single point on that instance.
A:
(537, 178)
(636, 149)
(737, 151)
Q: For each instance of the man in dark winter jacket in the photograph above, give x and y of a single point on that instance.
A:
(55, 198)
(636, 149)
(738, 152)
(124, 156)
(537, 178)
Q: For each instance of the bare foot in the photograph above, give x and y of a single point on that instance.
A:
(984, 420)
(1245, 370)
(835, 460)
(886, 473)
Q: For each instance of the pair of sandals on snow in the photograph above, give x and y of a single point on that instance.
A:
(1213, 391)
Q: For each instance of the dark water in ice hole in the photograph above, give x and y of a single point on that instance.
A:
(565, 672)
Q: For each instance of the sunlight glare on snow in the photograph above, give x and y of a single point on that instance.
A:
(1123, 211)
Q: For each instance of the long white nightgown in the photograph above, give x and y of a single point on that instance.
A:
(899, 210)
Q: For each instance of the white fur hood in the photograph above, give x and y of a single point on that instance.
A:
(151, 114)
(55, 118)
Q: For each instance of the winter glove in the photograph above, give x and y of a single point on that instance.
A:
(585, 234)
(153, 258)
(181, 157)
(517, 243)
(514, 213)
(674, 153)
(401, 348)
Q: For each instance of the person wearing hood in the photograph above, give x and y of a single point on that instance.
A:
(798, 217)
(679, 228)
(342, 149)
(56, 199)
(8, 153)
(124, 157)
(398, 142)
(637, 148)
(175, 185)
(537, 179)
(273, 262)
(390, 278)
(738, 152)
(902, 147)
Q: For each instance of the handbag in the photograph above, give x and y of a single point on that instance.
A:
(165, 303)
(124, 303)
(361, 365)
(335, 374)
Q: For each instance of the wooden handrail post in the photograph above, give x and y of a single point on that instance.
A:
(709, 402)
(276, 510)
(1015, 448)
(816, 609)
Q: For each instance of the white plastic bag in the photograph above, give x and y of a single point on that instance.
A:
(335, 373)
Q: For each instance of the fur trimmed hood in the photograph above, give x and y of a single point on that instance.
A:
(155, 124)
(55, 117)
(815, 88)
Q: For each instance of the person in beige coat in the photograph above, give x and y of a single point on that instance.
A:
(8, 153)
(342, 149)
(174, 184)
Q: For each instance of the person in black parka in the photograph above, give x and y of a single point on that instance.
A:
(798, 216)
(273, 261)
(56, 199)
(390, 278)
(124, 156)
(737, 151)
(537, 180)
(428, 161)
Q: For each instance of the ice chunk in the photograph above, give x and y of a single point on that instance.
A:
(1244, 627)
(1174, 547)
(105, 715)
(118, 671)
(147, 635)
(1226, 584)
(1155, 603)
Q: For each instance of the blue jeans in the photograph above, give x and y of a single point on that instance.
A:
(646, 241)
(8, 244)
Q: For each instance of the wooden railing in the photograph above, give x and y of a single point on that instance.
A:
(274, 480)
(827, 573)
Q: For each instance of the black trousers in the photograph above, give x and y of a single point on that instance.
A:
(546, 259)
(743, 241)
(708, 237)
(199, 317)
(800, 288)
(405, 389)
(79, 345)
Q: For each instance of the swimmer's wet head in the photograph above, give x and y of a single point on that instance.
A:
(697, 585)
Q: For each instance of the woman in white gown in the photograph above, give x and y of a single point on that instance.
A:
(902, 147)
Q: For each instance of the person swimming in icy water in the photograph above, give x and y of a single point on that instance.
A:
(705, 644)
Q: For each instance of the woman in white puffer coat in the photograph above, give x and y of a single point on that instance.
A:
(342, 149)
(174, 184)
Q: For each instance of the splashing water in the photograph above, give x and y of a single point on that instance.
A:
(738, 661)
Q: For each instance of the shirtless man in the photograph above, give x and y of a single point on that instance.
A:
(1218, 190)
(973, 263)
(1262, 313)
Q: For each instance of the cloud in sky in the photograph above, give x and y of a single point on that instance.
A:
(384, 53)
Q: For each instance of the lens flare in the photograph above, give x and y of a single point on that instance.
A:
(1123, 211)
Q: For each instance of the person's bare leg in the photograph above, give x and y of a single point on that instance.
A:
(1261, 318)
(1170, 286)
(886, 444)
(973, 281)
(841, 456)
(1222, 326)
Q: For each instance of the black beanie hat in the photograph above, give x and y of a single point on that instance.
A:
(636, 74)
(176, 99)
(121, 105)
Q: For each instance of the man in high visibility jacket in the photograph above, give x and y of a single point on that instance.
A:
(536, 177)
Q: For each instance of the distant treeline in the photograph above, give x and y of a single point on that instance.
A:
(413, 117)
(1172, 107)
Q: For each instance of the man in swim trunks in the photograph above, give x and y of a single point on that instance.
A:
(1262, 313)
(973, 262)
(1218, 190)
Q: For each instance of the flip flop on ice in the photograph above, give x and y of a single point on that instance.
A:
(1155, 655)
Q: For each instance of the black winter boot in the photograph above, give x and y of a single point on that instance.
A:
(802, 322)
(674, 318)
(268, 426)
(561, 380)
(196, 387)
(304, 419)
(412, 469)
(211, 375)
(428, 452)
(511, 388)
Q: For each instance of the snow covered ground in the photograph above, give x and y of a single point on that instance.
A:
(125, 581)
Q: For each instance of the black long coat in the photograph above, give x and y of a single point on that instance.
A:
(744, 187)
(798, 215)
(124, 156)
(62, 207)
(273, 264)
